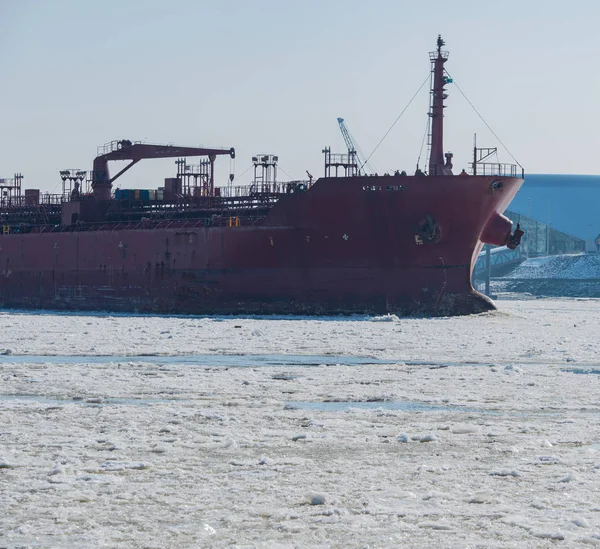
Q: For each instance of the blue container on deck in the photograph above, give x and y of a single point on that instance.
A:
(132, 194)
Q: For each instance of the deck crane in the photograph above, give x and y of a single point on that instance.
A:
(352, 150)
(126, 149)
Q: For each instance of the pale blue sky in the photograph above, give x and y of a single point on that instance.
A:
(273, 76)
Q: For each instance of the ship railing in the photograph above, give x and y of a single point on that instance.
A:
(232, 191)
(342, 159)
(496, 169)
(19, 202)
(232, 220)
(53, 199)
(259, 188)
(115, 145)
(433, 55)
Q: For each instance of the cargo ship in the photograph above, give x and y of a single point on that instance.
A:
(345, 243)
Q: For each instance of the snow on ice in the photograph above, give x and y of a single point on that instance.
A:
(174, 432)
(580, 266)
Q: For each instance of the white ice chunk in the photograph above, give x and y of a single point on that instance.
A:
(123, 465)
(581, 522)
(435, 525)
(568, 478)
(506, 473)
(315, 498)
(464, 429)
(558, 535)
(483, 496)
(428, 438)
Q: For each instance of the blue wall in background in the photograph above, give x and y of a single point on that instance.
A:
(571, 203)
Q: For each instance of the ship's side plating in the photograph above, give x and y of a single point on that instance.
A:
(348, 245)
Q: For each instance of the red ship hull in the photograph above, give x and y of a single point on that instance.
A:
(347, 245)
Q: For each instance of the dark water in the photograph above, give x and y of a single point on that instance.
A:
(234, 361)
(323, 406)
(52, 402)
(384, 405)
(231, 361)
(584, 371)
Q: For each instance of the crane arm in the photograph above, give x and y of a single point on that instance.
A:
(139, 151)
(352, 148)
(127, 150)
(346, 136)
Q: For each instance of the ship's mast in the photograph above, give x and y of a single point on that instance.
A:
(437, 166)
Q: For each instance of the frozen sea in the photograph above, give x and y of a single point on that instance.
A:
(360, 432)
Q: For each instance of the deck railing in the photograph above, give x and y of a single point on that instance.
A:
(496, 169)
(114, 146)
(230, 221)
(258, 188)
(237, 206)
(45, 199)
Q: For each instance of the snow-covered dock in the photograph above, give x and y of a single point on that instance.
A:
(576, 275)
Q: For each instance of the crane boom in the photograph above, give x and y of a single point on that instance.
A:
(352, 148)
(346, 136)
(127, 150)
